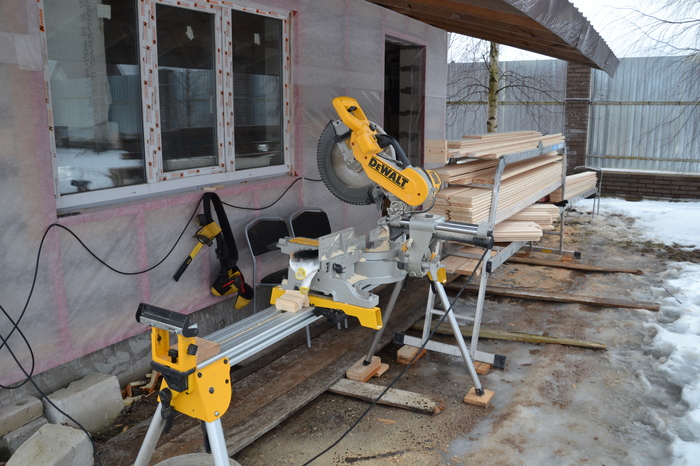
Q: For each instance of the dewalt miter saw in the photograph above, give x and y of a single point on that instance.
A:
(360, 164)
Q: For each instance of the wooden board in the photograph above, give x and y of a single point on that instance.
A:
(270, 394)
(559, 297)
(493, 334)
(393, 397)
(571, 266)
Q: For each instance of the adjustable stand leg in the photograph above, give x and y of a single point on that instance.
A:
(460, 340)
(152, 436)
(385, 319)
(217, 443)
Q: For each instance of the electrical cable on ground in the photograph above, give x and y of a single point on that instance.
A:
(403, 371)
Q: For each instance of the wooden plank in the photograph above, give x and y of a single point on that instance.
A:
(572, 266)
(558, 297)
(493, 334)
(393, 397)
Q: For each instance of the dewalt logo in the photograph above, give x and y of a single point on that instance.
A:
(387, 172)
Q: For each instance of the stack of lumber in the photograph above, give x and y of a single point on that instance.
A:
(542, 214)
(495, 145)
(575, 185)
(486, 146)
(507, 232)
(484, 171)
(522, 187)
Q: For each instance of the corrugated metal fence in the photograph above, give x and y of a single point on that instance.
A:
(645, 118)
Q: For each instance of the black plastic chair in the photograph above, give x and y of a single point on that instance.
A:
(310, 222)
(270, 266)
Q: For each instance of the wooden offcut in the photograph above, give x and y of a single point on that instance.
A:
(407, 353)
(292, 301)
(393, 396)
(361, 373)
(205, 349)
(473, 399)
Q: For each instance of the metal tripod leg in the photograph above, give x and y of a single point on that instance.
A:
(217, 443)
(385, 319)
(151, 439)
(458, 336)
(215, 433)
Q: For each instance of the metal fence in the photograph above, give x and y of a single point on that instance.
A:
(645, 118)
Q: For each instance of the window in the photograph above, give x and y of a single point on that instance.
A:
(148, 97)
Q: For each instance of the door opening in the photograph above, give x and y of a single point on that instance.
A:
(404, 96)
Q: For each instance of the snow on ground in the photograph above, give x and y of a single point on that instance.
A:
(678, 328)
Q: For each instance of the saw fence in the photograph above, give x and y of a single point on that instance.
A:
(500, 178)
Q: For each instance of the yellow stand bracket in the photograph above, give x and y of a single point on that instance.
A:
(203, 393)
(368, 317)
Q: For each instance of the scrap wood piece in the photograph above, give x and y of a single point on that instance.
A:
(360, 372)
(558, 297)
(568, 265)
(493, 334)
(473, 399)
(393, 397)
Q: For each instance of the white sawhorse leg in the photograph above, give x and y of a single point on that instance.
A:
(215, 433)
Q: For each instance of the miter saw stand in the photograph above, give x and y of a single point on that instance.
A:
(348, 268)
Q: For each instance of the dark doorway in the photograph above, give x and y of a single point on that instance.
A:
(404, 96)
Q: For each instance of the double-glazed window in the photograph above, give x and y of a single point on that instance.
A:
(149, 96)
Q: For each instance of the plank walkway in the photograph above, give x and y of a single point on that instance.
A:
(275, 387)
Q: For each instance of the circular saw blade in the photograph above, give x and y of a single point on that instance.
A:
(340, 172)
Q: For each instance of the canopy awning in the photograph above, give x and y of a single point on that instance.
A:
(550, 27)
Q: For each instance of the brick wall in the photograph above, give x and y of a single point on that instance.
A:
(650, 185)
(576, 108)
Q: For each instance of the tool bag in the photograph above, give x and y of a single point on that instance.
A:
(230, 279)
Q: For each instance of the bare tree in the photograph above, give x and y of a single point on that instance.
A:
(479, 81)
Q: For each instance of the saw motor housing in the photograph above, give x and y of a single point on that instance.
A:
(368, 149)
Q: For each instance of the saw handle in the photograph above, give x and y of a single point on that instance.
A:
(350, 113)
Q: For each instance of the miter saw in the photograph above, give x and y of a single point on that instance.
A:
(360, 164)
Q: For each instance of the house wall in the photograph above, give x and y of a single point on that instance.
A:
(78, 306)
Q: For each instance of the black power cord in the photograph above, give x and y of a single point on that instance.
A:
(15, 324)
(398, 377)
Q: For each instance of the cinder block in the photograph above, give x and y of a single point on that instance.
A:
(11, 441)
(94, 401)
(54, 445)
(19, 413)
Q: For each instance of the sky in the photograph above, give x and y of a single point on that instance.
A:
(612, 20)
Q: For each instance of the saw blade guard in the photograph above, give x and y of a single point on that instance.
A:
(358, 169)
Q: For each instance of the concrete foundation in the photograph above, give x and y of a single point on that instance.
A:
(18, 413)
(54, 445)
(12, 441)
(93, 401)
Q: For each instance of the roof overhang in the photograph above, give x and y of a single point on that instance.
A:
(553, 27)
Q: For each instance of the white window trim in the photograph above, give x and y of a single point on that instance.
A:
(157, 181)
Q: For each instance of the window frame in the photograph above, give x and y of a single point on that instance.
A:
(157, 180)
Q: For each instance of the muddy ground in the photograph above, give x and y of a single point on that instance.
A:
(553, 404)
